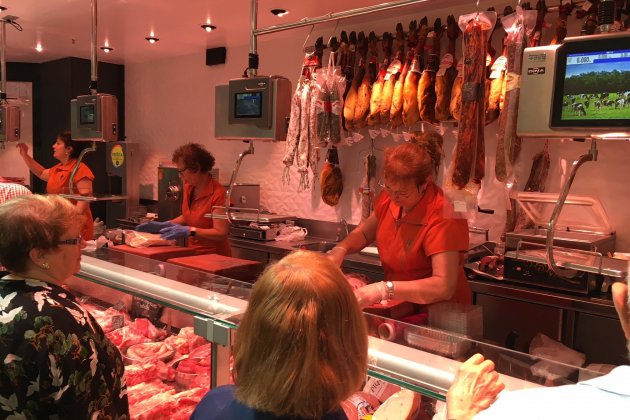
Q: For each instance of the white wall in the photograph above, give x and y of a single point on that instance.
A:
(170, 102)
(11, 164)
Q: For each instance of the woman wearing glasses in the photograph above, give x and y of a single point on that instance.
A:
(421, 242)
(57, 178)
(56, 360)
(202, 195)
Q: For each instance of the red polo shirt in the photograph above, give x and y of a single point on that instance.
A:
(405, 246)
(195, 206)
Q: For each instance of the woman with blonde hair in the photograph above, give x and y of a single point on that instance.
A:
(301, 347)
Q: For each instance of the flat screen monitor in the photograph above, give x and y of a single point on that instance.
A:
(248, 105)
(592, 84)
(87, 114)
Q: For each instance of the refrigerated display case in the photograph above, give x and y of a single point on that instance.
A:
(178, 301)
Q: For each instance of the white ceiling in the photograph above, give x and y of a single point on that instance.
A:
(63, 27)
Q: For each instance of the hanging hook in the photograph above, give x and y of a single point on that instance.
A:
(307, 37)
(477, 8)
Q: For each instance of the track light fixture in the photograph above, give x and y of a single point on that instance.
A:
(208, 27)
(279, 12)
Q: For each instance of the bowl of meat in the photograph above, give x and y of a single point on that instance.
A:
(142, 352)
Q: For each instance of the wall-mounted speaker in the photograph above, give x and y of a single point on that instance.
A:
(215, 56)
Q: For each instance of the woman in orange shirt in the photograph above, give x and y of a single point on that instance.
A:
(421, 242)
(202, 194)
(57, 178)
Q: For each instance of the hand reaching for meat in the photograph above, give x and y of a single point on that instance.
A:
(371, 294)
(474, 389)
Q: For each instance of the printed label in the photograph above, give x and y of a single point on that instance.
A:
(535, 70)
(118, 156)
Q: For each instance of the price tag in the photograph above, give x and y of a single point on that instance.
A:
(385, 133)
(357, 137)
(397, 137)
(441, 130)
(142, 308)
(587, 6)
(118, 321)
(459, 206)
(374, 133)
(407, 136)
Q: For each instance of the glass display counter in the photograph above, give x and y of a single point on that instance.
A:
(141, 301)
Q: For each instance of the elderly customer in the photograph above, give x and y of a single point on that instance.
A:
(55, 360)
(421, 242)
(301, 347)
(202, 195)
(606, 397)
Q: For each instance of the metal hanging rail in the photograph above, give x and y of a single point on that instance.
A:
(327, 18)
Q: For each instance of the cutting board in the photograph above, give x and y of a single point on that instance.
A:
(161, 253)
(234, 268)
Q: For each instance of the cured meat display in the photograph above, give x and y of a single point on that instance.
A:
(364, 93)
(508, 144)
(469, 158)
(352, 96)
(396, 112)
(445, 76)
(393, 72)
(331, 179)
(537, 182)
(377, 89)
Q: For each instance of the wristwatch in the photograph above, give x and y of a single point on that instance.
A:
(193, 231)
(390, 290)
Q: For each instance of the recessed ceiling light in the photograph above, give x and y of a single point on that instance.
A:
(152, 39)
(279, 12)
(208, 28)
(2, 9)
(39, 47)
(107, 48)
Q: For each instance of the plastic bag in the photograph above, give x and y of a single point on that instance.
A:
(292, 234)
(137, 239)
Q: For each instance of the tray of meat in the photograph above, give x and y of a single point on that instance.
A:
(195, 369)
(489, 267)
(185, 341)
(141, 352)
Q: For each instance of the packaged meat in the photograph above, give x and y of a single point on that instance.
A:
(359, 404)
(380, 388)
(144, 239)
(517, 25)
(403, 405)
(469, 156)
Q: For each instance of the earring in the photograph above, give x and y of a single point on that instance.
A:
(45, 265)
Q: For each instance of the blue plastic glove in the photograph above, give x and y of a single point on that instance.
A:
(153, 227)
(175, 232)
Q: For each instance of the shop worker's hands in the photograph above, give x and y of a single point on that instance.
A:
(99, 227)
(474, 389)
(371, 294)
(153, 227)
(175, 232)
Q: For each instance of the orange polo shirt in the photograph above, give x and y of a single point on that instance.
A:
(405, 245)
(194, 206)
(58, 181)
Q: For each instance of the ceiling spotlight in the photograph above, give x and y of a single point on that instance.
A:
(2, 9)
(39, 47)
(208, 27)
(107, 48)
(279, 12)
(152, 39)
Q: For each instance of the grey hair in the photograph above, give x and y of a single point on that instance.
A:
(33, 222)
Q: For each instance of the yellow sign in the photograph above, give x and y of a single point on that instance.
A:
(118, 156)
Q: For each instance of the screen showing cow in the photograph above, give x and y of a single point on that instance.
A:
(596, 86)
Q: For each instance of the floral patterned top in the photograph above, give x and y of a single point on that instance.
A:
(55, 361)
